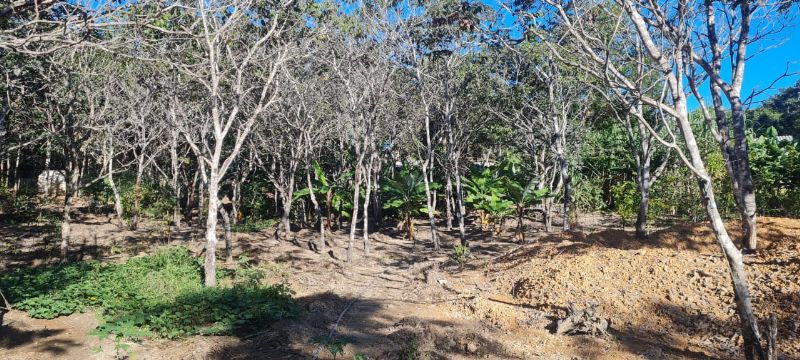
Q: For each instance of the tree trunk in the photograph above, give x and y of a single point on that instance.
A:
(548, 215)
(328, 205)
(448, 196)
(210, 264)
(173, 155)
(286, 205)
(563, 167)
(226, 223)
(429, 207)
(747, 192)
(137, 193)
(117, 201)
(644, 202)
(752, 339)
(368, 188)
(520, 230)
(71, 179)
(317, 211)
(354, 214)
(190, 198)
(235, 199)
(48, 154)
(16, 172)
(462, 212)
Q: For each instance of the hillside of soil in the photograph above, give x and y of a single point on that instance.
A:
(673, 290)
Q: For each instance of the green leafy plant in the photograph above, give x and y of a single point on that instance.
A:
(523, 196)
(461, 254)
(626, 200)
(160, 294)
(496, 210)
(482, 187)
(406, 194)
(335, 193)
(247, 274)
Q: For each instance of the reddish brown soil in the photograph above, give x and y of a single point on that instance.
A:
(668, 298)
(674, 290)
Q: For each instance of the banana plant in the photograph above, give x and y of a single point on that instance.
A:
(480, 188)
(406, 194)
(522, 197)
(496, 209)
(335, 193)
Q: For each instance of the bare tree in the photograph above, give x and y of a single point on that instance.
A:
(241, 52)
(362, 68)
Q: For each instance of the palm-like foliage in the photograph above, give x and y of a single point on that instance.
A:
(523, 197)
(336, 193)
(481, 187)
(406, 194)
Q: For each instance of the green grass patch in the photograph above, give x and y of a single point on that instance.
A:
(160, 294)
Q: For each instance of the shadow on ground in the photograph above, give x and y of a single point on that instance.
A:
(362, 330)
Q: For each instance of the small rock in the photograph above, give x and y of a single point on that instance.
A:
(472, 347)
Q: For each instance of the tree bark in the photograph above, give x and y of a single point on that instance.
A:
(448, 202)
(117, 201)
(71, 179)
(462, 211)
(173, 155)
(210, 264)
(226, 223)
(563, 167)
(367, 194)
(317, 211)
(354, 214)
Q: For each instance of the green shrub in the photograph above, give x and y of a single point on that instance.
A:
(461, 254)
(160, 294)
(626, 200)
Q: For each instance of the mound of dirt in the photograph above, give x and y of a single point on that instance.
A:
(673, 289)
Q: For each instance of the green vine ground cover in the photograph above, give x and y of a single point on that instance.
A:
(157, 295)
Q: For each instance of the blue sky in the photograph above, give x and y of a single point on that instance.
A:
(764, 68)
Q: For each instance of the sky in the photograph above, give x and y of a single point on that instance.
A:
(765, 67)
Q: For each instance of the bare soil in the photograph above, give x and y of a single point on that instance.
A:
(666, 298)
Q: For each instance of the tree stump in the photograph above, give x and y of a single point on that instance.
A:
(582, 322)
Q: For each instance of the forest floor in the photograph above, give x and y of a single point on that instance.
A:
(667, 298)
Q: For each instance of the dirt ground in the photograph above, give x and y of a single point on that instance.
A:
(666, 298)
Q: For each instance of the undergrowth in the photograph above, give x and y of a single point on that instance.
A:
(253, 225)
(156, 295)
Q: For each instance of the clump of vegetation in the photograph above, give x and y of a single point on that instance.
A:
(334, 346)
(461, 254)
(406, 194)
(251, 224)
(160, 294)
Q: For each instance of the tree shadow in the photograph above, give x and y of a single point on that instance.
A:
(11, 338)
(363, 330)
